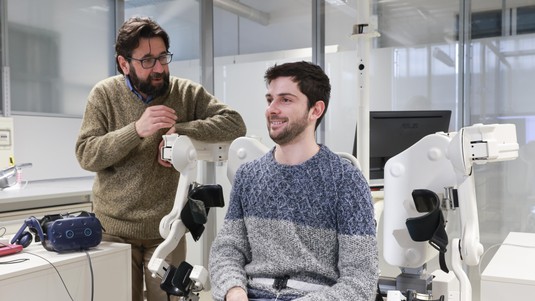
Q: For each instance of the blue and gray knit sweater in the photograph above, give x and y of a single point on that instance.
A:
(313, 221)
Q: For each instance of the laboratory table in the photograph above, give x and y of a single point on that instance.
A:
(47, 275)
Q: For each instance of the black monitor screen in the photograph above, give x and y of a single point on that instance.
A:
(392, 132)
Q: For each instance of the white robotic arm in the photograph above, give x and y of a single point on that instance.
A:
(184, 154)
(477, 144)
(441, 163)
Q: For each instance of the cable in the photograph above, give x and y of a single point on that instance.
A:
(61, 278)
(498, 245)
(14, 261)
(92, 275)
(19, 260)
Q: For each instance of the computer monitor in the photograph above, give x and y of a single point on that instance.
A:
(392, 132)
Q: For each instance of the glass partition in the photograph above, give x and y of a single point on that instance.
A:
(250, 37)
(501, 91)
(57, 51)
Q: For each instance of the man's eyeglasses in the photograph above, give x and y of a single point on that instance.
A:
(149, 62)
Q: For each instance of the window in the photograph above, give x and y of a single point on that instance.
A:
(57, 51)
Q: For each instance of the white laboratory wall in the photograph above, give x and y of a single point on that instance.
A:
(48, 143)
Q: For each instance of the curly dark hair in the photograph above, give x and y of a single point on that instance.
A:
(132, 31)
(310, 79)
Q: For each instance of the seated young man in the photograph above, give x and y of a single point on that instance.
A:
(300, 223)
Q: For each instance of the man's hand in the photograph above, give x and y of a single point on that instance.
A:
(155, 118)
(172, 130)
(236, 294)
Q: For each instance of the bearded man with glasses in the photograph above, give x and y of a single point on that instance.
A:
(120, 138)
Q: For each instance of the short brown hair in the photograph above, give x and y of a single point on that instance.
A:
(310, 79)
(132, 31)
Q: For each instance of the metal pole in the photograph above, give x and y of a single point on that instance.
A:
(363, 55)
(463, 117)
(207, 80)
(6, 80)
(318, 50)
(118, 6)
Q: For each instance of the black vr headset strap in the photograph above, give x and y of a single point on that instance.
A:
(430, 226)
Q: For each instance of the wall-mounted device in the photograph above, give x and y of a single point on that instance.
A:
(6, 142)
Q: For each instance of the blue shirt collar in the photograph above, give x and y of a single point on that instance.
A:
(129, 84)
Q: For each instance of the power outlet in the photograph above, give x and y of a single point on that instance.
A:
(6, 142)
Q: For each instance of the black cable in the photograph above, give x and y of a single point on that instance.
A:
(92, 275)
(14, 261)
(61, 278)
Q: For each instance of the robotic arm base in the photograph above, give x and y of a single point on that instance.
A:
(185, 281)
(413, 284)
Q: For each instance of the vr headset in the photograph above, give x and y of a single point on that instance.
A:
(61, 232)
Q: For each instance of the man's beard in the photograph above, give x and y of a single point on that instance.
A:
(146, 87)
(291, 131)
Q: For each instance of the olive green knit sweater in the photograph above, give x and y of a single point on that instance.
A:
(132, 192)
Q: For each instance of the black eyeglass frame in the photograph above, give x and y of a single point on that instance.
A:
(164, 59)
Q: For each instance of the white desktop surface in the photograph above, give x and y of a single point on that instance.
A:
(510, 275)
(48, 193)
(377, 183)
(36, 278)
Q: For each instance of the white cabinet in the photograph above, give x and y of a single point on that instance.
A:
(37, 279)
(510, 275)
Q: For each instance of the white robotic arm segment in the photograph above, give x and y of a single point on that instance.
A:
(184, 154)
(493, 142)
(478, 144)
(179, 151)
(422, 166)
(211, 152)
(200, 277)
(242, 150)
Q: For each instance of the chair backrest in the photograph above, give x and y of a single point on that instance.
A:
(349, 157)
